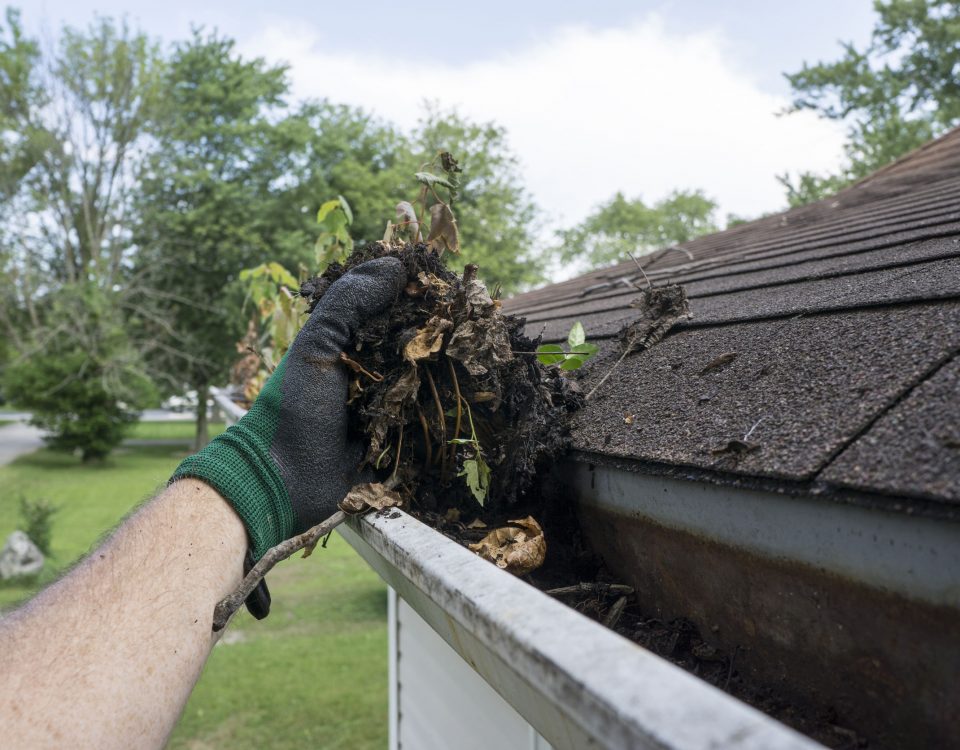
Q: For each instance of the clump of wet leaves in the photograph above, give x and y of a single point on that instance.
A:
(444, 390)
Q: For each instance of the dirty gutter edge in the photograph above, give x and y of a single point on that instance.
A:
(570, 677)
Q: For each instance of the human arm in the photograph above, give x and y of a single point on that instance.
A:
(107, 656)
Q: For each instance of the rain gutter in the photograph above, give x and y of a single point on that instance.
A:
(577, 683)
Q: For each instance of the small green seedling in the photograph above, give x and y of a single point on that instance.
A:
(578, 352)
(475, 472)
(334, 242)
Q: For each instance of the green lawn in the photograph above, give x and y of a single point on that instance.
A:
(313, 674)
(169, 430)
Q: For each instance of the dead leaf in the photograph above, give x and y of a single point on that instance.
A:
(396, 397)
(452, 515)
(627, 418)
(428, 340)
(724, 359)
(482, 397)
(363, 497)
(444, 234)
(480, 345)
(408, 216)
(660, 309)
(518, 549)
(476, 523)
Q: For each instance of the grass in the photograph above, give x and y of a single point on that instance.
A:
(170, 430)
(311, 674)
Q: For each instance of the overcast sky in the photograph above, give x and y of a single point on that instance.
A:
(598, 96)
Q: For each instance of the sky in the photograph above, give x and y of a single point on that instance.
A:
(597, 97)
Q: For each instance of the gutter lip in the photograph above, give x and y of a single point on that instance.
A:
(616, 692)
(812, 489)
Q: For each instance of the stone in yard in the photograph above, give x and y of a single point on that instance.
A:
(19, 557)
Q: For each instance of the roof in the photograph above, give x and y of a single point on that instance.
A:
(830, 333)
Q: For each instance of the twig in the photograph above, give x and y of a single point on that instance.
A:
(396, 464)
(615, 613)
(443, 422)
(640, 269)
(426, 435)
(730, 668)
(230, 604)
(628, 350)
(456, 390)
(755, 425)
(592, 588)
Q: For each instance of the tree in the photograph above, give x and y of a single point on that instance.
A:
(622, 226)
(83, 381)
(77, 114)
(896, 94)
(218, 195)
(494, 212)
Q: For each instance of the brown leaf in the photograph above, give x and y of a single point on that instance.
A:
(428, 340)
(480, 345)
(476, 523)
(518, 549)
(408, 216)
(372, 495)
(719, 361)
(444, 234)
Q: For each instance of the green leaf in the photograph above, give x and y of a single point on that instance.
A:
(550, 354)
(587, 349)
(577, 335)
(477, 476)
(327, 208)
(432, 179)
(572, 362)
(346, 209)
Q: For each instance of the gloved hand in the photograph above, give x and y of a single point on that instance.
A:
(287, 463)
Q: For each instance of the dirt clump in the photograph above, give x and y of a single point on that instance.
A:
(445, 390)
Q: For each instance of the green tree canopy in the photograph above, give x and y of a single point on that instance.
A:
(897, 93)
(621, 226)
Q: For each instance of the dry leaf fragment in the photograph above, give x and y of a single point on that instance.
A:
(518, 549)
(480, 345)
(628, 417)
(476, 523)
(718, 362)
(408, 216)
(428, 340)
(444, 234)
(363, 497)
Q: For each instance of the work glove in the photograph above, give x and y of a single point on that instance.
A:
(287, 463)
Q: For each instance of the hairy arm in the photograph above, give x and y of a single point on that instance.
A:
(107, 656)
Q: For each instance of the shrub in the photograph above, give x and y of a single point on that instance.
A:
(37, 518)
(79, 374)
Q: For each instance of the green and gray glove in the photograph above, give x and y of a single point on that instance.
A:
(287, 463)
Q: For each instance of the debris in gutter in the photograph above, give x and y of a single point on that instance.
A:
(519, 548)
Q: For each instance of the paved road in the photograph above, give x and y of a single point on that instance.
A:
(17, 439)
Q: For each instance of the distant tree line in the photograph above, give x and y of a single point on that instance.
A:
(137, 180)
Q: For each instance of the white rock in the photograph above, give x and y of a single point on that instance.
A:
(19, 557)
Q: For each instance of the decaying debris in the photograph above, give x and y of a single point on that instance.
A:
(519, 548)
(439, 391)
(661, 308)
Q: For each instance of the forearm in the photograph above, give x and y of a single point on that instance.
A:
(107, 656)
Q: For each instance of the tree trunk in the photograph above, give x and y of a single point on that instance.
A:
(202, 435)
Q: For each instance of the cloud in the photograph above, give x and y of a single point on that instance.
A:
(591, 111)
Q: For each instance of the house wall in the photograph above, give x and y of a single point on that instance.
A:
(437, 701)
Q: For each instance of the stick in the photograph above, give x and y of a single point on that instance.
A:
(456, 428)
(590, 588)
(230, 604)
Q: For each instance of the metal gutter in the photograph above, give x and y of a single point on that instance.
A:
(231, 412)
(577, 683)
(909, 555)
